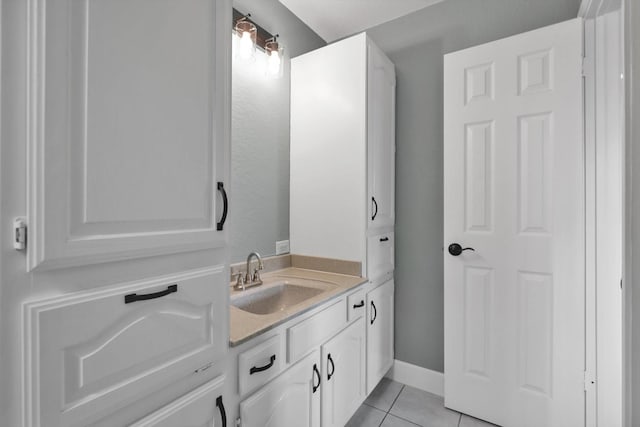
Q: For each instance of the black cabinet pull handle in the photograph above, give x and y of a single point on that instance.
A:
(223, 413)
(375, 212)
(375, 312)
(333, 367)
(317, 374)
(384, 239)
(360, 304)
(455, 249)
(225, 206)
(135, 297)
(263, 368)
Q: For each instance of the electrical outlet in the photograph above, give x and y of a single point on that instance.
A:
(282, 247)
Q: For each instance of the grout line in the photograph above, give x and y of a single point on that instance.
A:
(394, 400)
(404, 419)
(459, 419)
(383, 418)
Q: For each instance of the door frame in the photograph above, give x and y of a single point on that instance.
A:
(596, 176)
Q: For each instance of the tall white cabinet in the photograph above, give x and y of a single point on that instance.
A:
(127, 151)
(343, 173)
(119, 304)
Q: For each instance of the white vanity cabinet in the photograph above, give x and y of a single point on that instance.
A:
(380, 351)
(128, 129)
(324, 380)
(342, 151)
(343, 372)
(291, 400)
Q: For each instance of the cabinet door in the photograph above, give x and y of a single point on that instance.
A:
(203, 407)
(380, 255)
(379, 333)
(91, 353)
(343, 370)
(291, 400)
(381, 148)
(128, 128)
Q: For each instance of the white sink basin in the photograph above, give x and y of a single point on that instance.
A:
(279, 294)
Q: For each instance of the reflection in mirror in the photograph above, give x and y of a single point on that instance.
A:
(259, 196)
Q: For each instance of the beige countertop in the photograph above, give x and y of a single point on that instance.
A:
(245, 325)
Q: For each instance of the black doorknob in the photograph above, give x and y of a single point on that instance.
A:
(455, 249)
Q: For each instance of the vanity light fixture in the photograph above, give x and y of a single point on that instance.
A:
(275, 57)
(247, 34)
(251, 36)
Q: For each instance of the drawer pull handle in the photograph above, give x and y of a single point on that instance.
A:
(375, 312)
(317, 374)
(223, 413)
(384, 239)
(333, 367)
(143, 297)
(225, 206)
(361, 304)
(263, 368)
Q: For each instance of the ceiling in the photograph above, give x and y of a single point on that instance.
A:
(335, 19)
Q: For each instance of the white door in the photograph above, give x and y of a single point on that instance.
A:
(514, 192)
(291, 400)
(381, 143)
(380, 349)
(343, 369)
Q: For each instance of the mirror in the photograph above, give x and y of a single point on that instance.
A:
(259, 197)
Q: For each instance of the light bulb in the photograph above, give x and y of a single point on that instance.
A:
(273, 63)
(246, 46)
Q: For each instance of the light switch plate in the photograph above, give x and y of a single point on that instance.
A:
(282, 247)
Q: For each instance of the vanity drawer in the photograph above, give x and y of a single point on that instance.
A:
(260, 364)
(315, 330)
(92, 353)
(356, 305)
(380, 255)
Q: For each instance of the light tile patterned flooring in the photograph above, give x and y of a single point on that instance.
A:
(392, 404)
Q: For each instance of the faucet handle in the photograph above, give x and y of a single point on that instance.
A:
(256, 275)
(239, 278)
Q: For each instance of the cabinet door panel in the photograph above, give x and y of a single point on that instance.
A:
(380, 323)
(287, 401)
(380, 255)
(203, 407)
(381, 148)
(91, 353)
(128, 128)
(343, 368)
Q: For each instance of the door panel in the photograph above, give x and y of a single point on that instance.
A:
(291, 400)
(381, 145)
(91, 353)
(343, 369)
(380, 338)
(203, 407)
(514, 192)
(127, 129)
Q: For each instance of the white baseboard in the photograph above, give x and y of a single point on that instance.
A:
(418, 377)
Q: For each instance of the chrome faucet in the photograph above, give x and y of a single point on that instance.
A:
(252, 279)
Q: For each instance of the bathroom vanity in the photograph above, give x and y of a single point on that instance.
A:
(311, 363)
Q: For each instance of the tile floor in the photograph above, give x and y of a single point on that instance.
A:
(392, 404)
